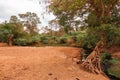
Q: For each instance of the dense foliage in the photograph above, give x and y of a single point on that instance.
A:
(110, 65)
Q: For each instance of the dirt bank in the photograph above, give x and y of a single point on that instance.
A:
(42, 63)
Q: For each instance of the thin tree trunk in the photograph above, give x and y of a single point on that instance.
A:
(10, 40)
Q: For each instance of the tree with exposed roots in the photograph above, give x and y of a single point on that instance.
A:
(92, 13)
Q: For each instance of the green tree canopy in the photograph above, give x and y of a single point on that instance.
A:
(30, 21)
(68, 10)
(9, 32)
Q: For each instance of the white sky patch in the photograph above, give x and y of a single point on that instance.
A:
(15, 7)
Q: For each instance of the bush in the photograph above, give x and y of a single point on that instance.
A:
(110, 66)
(53, 40)
(106, 56)
(89, 42)
(62, 40)
(114, 69)
(53, 37)
(112, 34)
(36, 39)
(76, 33)
(44, 39)
(80, 37)
(21, 42)
(93, 36)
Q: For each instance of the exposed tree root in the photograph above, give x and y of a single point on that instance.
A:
(92, 62)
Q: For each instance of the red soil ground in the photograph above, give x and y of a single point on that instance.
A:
(42, 63)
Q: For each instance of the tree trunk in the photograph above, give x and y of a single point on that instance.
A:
(10, 40)
(92, 62)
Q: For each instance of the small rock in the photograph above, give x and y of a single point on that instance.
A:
(77, 79)
(50, 74)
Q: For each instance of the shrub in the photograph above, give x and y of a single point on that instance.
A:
(93, 36)
(110, 66)
(76, 33)
(62, 40)
(21, 42)
(36, 39)
(74, 38)
(105, 64)
(54, 38)
(44, 39)
(114, 69)
(112, 34)
(80, 37)
(89, 42)
(106, 56)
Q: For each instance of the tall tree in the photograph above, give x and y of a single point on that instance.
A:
(54, 26)
(72, 9)
(94, 13)
(16, 22)
(30, 21)
(14, 19)
(9, 32)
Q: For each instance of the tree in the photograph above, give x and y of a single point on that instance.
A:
(14, 19)
(94, 13)
(16, 23)
(8, 33)
(115, 17)
(30, 21)
(80, 8)
(54, 26)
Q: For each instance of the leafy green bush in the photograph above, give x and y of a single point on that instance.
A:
(36, 39)
(24, 40)
(44, 39)
(80, 37)
(54, 38)
(89, 42)
(21, 42)
(106, 56)
(76, 33)
(62, 40)
(112, 34)
(111, 66)
(114, 69)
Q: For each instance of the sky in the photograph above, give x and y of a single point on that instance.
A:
(15, 7)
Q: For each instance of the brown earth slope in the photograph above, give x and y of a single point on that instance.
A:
(42, 63)
(114, 50)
